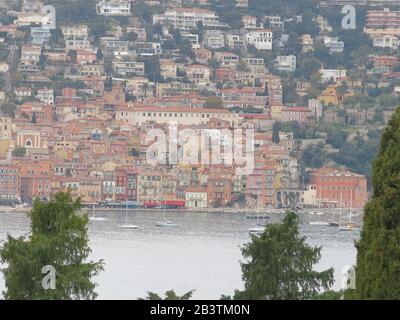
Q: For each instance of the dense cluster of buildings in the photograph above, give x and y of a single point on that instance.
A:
(86, 107)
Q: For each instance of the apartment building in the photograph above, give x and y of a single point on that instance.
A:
(40, 36)
(168, 69)
(30, 58)
(261, 186)
(30, 54)
(113, 7)
(182, 116)
(286, 63)
(227, 59)
(249, 22)
(275, 22)
(382, 22)
(256, 65)
(299, 114)
(334, 45)
(10, 184)
(196, 198)
(332, 74)
(128, 68)
(188, 18)
(76, 37)
(219, 186)
(242, 98)
(261, 39)
(46, 96)
(214, 39)
(234, 41)
(336, 187)
(192, 38)
(386, 41)
(199, 74)
(307, 42)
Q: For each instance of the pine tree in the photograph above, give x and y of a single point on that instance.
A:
(275, 133)
(58, 239)
(378, 250)
(169, 295)
(280, 265)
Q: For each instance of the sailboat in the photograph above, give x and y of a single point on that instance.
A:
(94, 218)
(334, 223)
(165, 223)
(259, 229)
(350, 225)
(127, 225)
(319, 222)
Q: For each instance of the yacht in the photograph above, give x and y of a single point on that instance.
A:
(350, 225)
(319, 223)
(165, 223)
(127, 225)
(260, 228)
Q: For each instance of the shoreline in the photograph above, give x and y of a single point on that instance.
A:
(153, 210)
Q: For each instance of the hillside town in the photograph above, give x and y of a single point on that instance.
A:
(88, 87)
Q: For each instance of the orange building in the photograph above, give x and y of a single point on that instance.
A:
(335, 186)
(10, 184)
(219, 186)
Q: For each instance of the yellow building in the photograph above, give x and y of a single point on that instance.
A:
(4, 147)
(168, 69)
(329, 96)
(196, 198)
(276, 112)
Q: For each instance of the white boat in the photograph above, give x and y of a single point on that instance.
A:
(256, 230)
(260, 228)
(165, 223)
(97, 219)
(94, 218)
(127, 225)
(319, 223)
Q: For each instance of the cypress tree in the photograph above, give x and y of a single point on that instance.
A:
(279, 265)
(59, 240)
(275, 133)
(378, 250)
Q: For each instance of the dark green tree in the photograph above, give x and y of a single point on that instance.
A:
(275, 133)
(378, 250)
(214, 102)
(169, 295)
(58, 239)
(19, 152)
(279, 265)
(33, 120)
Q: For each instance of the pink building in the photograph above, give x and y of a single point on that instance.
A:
(300, 114)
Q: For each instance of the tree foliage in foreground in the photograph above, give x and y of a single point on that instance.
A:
(59, 239)
(378, 250)
(169, 295)
(279, 265)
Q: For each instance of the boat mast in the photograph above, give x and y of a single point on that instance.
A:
(351, 202)
(126, 211)
(162, 194)
(340, 209)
